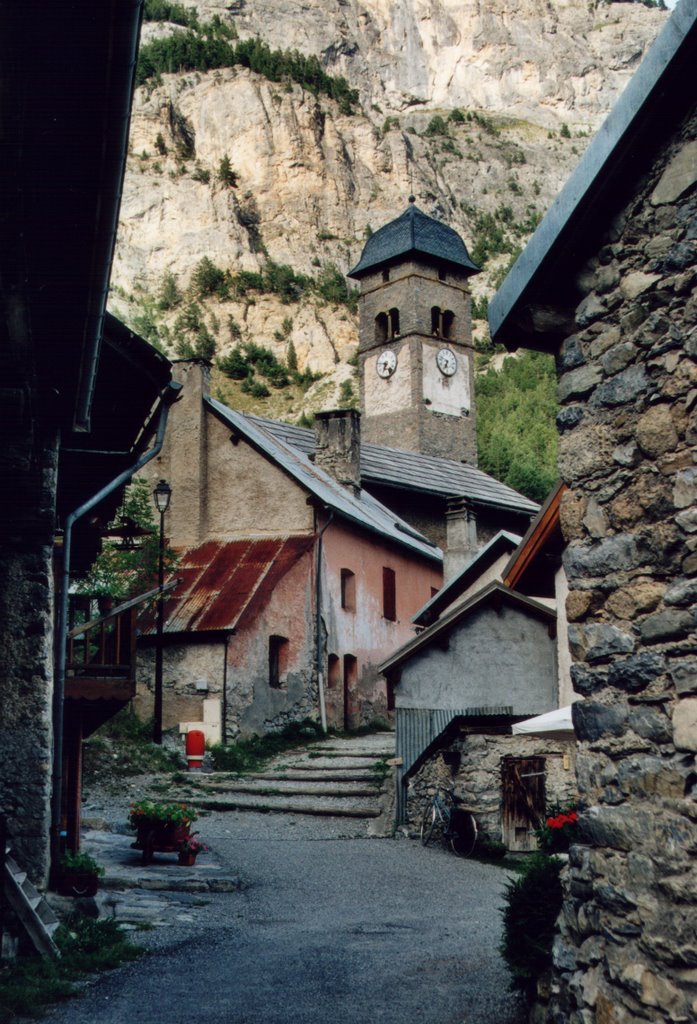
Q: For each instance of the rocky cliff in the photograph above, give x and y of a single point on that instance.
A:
(478, 109)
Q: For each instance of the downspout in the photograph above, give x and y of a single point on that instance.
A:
(318, 639)
(223, 728)
(166, 401)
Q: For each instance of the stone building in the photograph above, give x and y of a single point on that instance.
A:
(295, 582)
(607, 283)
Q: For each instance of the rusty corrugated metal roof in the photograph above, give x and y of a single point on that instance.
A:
(224, 582)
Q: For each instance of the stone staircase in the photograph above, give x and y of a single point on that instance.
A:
(338, 777)
(32, 909)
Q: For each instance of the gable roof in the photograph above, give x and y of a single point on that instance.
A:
(414, 233)
(543, 533)
(225, 583)
(495, 594)
(499, 544)
(412, 471)
(362, 509)
(654, 101)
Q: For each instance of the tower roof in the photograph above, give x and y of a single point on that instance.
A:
(414, 232)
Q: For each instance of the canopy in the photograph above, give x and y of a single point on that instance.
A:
(554, 724)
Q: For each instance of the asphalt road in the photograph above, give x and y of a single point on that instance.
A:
(327, 930)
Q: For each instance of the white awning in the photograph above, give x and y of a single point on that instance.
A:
(556, 724)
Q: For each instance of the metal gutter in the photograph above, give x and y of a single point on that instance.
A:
(318, 604)
(169, 396)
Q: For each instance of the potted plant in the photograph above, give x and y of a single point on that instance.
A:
(79, 875)
(559, 830)
(159, 827)
(189, 850)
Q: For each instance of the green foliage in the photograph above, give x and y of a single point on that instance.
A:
(480, 308)
(87, 946)
(126, 572)
(201, 174)
(388, 124)
(437, 126)
(169, 296)
(210, 45)
(499, 232)
(81, 862)
(280, 279)
(163, 10)
(292, 358)
(208, 279)
(152, 812)
(564, 131)
(255, 388)
(160, 144)
(234, 328)
(532, 904)
(516, 428)
(250, 755)
(332, 287)
(347, 396)
(234, 364)
(456, 116)
(226, 174)
(192, 338)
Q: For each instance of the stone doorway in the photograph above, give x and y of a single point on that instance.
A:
(523, 788)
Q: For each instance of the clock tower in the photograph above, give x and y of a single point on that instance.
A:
(415, 338)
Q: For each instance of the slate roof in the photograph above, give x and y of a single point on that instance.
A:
(495, 593)
(414, 232)
(651, 106)
(362, 509)
(502, 542)
(225, 583)
(412, 471)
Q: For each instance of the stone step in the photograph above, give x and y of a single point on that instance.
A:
(337, 763)
(282, 787)
(323, 806)
(302, 774)
(344, 752)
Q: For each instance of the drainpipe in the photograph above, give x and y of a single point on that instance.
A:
(318, 602)
(223, 729)
(169, 396)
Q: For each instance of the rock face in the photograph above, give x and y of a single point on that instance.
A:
(312, 182)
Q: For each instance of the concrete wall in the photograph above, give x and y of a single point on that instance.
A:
(492, 658)
(627, 383)
(364, 632)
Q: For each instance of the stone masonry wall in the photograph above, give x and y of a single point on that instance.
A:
(628, 387)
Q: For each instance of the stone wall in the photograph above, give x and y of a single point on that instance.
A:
(628, 384)
(477, 780)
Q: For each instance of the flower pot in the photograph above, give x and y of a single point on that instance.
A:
(78, 883)
(186, 859)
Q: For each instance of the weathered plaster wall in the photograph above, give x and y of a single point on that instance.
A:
(365, 633)
(492, 658)
(183, 664)
(628, 384)
(478, 778)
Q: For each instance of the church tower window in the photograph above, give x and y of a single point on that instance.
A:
(442, 322)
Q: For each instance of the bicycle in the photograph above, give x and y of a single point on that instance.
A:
(445, 816)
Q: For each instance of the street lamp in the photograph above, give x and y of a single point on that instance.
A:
(162, 493)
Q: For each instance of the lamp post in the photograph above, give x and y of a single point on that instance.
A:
(162, 493)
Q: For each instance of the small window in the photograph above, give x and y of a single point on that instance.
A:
(441, 274)
(442, 322)
(389, 594)
(348, 590)
(333, 671)
(278, 660)
(393, 323)
(381, 327)
(386, 274)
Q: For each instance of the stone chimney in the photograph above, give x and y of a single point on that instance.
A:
(461, 537)
(338, 449)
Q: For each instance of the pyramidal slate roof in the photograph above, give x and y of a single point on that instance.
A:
(411, 471)
(414, 232)
(362, 509)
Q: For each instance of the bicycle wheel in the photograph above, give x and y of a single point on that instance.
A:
(463, 836)
(428, 822)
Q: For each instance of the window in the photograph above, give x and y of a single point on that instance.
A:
(278, 660)
(387, 326)
(350, 679)
(441, 274)
(381, 327)
(348, 590)
(389, 594)
(333, 671)
(386, 274)
(393, 323)
(442, 322)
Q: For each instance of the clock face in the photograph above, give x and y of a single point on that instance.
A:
(386, 364)
(446, 361)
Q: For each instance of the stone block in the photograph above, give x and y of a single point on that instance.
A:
(598, 640)
(595, 519)
(685, 488)
(577, 604)
(617, 358)
(684, 675)
(678, 177)
(585, 451)
(685, 724)
(569, 417)
(593, 720)
(656, 431)
(643, 596)
(570, 354)
(635, 284)
(682, 593)
(650, 724)
(667, 625)
(624, 387)
(589, 310)
(635, 673)
(627, 454)
(620, 828)
(578, 383)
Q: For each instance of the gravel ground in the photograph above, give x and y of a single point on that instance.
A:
(329, 924)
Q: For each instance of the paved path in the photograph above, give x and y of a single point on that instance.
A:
(325, 930)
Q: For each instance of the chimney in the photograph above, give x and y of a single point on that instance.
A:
(338, 450)
(461, 537)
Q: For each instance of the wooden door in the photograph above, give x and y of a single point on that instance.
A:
(523, 785)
